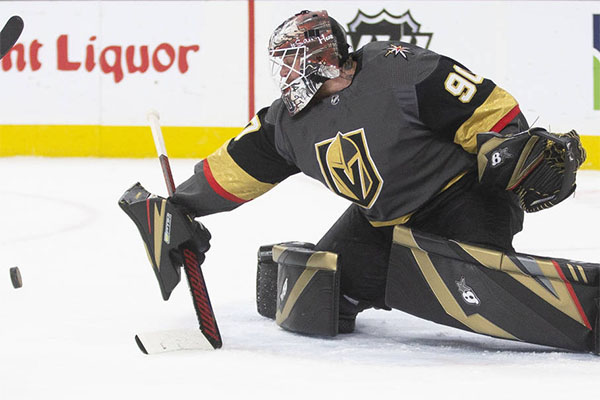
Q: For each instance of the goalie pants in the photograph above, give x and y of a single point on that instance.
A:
(466, 212)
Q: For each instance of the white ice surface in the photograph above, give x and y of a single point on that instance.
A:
(88, 288)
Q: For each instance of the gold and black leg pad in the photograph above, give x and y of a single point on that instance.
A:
(547, 301)
(306, 294)
(266, 278)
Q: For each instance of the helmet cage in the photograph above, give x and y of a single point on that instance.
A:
(285, 62)
(303, 53)
(292, 74)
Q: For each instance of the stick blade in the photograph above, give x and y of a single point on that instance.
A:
(10, 34)
(166, 341)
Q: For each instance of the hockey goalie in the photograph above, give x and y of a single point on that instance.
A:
(439, 165)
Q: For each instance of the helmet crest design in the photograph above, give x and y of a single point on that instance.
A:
(304, 53)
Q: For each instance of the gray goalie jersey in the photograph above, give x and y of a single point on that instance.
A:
(403, 131)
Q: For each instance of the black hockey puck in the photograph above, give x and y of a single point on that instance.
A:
(140, 345)
(15, 277)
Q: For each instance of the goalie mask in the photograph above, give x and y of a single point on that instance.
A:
(305, 51)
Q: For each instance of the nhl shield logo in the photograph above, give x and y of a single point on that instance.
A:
(384, 26)
(348, 169)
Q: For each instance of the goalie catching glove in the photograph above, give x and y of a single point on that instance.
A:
(539, 166)
(167, 231)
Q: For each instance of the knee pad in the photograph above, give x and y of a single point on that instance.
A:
(299, 288)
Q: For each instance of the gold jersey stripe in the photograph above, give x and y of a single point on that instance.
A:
(453, 180)
(497, 105)
(404, 219)
(232, 178)
(398, 221)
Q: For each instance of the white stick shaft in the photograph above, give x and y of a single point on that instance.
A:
(159, 142)
(161, 149)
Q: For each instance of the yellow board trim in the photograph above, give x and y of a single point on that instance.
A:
(109, 141)
(591, 144)
(136, 141)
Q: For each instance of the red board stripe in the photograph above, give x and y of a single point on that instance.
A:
(250, 59)
(218, 188)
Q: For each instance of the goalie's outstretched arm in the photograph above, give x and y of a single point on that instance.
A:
(242, 169)
(485, 120)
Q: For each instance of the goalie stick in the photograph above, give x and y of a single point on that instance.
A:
(10, 34)
(157, 342)
(164, 341)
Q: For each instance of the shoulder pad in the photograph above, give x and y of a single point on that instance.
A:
(274, 111)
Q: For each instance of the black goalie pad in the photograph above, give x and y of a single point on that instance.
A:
(266, 278)
(170, 236)
(304, 296)
(547, 301)
(266, 282)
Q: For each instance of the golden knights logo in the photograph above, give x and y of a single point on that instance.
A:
(348, 168)
(384, 26)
